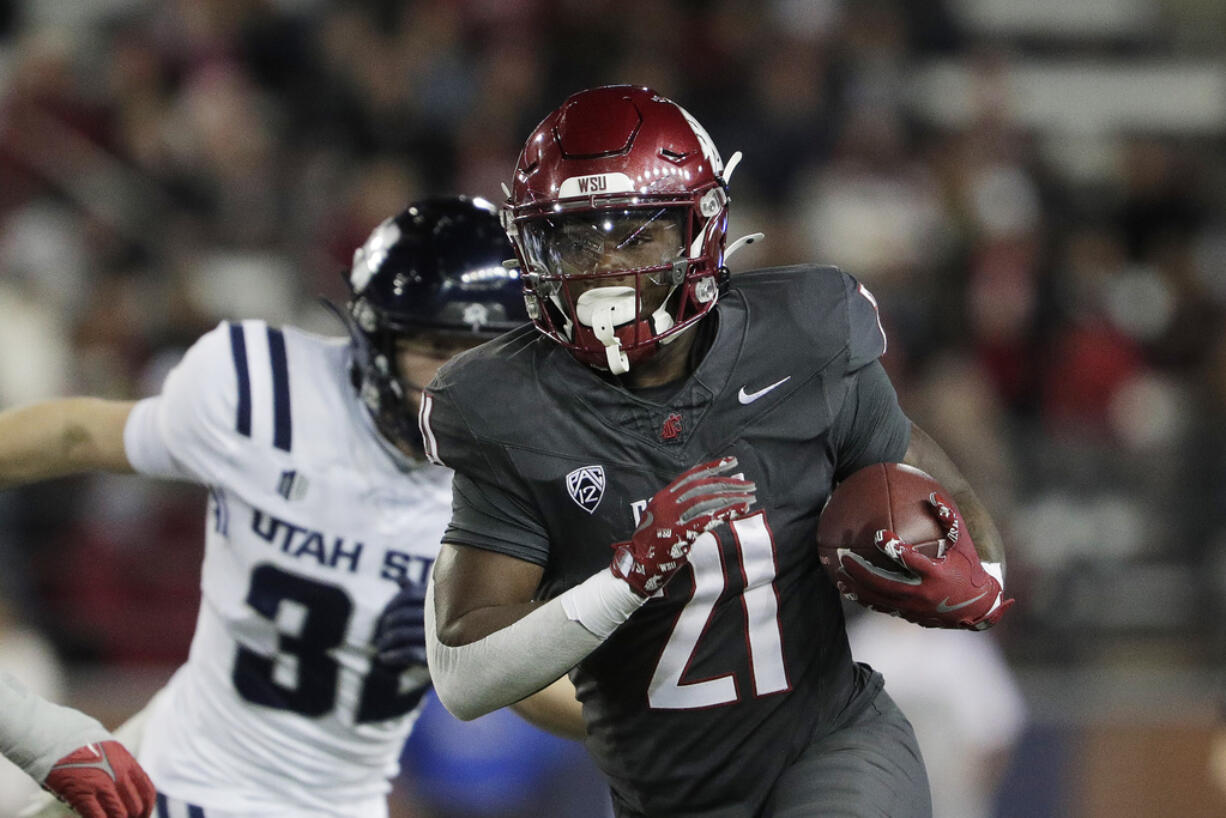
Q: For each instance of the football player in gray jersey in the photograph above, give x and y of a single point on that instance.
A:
(307, 668)
(638, 481)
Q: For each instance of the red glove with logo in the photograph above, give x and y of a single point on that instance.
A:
(675, 516)
(102, 780)
(951, 590)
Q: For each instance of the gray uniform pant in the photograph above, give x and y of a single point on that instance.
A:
(869, 768)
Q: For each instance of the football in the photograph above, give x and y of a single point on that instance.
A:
(893, 496)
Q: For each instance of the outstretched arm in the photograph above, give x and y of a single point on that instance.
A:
(400, 637)
(71, 755)
(61, 437)
(489, 645)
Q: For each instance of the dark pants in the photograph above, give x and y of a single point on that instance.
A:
(869, 768)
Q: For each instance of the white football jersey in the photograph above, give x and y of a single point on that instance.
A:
(281, 709)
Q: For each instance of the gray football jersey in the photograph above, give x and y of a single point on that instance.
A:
(696, 704)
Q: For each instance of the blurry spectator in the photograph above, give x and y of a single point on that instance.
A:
(26, 324)
(1089, 358)
(873, 208)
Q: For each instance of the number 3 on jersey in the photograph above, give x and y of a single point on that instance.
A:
(756, 550)
(311, 620)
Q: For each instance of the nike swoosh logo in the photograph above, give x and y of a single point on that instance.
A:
(944, 607)
(747, 398)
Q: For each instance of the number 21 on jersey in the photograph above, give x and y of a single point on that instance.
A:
(755, 553)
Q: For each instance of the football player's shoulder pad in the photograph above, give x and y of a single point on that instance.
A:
(201, 393)
(819, 310)
(484, 397)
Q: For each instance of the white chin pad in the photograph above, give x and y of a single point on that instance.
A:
(662, 320)
(604, 309)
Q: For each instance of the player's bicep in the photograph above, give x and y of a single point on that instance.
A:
(93, 433)
(926, 454)
(493, 557)
(477, 592)
(102, 434)
(870, 427)
(61, 437)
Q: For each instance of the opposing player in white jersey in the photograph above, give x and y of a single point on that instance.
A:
(320, 510)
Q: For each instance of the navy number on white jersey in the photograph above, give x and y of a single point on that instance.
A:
(311, 618)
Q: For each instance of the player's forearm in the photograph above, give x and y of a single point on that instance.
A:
(479, 623)
(925, 453)
(509, 663)
(61, 437)
(34, 733)
(985, 535)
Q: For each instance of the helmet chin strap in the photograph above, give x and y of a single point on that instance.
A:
(604, 309)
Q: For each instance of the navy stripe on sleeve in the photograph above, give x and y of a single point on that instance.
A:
(163, 808)
(238, 349)
(282, 435)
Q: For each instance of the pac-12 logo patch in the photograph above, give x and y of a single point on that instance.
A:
(586, 486)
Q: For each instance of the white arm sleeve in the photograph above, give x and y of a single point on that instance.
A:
(34, 733)
(522, 658)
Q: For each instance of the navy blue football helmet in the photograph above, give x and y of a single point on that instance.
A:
(436, 269)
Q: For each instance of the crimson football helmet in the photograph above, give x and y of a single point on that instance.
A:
(618, 214)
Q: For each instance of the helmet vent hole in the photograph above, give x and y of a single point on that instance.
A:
(676, 157)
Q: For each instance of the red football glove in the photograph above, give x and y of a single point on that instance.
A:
(675, 516)
(102, 781)
(951, 590)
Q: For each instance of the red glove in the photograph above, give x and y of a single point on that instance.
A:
(951, 590)
(102, 781)
(675, 516)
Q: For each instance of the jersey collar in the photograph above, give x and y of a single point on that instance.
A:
(639, 415)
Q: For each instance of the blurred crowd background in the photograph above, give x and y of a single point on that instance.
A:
(1035, 192)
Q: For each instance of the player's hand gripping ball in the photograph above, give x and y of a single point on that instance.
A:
(892, 540)
(675, 516)
(102, 780)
